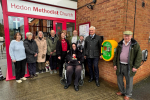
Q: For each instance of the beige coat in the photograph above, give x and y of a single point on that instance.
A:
(42, 49)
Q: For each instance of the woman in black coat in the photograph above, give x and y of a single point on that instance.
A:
(31, 50)
(74, 61)
(62, 48)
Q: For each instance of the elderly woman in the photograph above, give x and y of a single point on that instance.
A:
(75, 60)
(18, 56)
(80, 43)
(42, 49)
(31, 50)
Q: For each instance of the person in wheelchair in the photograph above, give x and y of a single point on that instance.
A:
(74, 60)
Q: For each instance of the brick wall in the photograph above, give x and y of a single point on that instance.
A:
(109, 18)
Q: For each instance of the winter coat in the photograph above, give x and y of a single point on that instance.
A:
(59, 47)
(80, 45)
(74, 61)
(42, 49)
(31, 49)
(92, 46)
(135, 57)
(70, 39)
(51, 45)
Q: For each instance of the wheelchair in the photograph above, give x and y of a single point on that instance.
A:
(63, 80)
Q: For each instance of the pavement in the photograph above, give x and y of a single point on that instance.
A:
(47, 87)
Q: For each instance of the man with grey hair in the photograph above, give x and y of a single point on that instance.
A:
(127, 60)
(74, 38)
(92, 51)
(51, 50)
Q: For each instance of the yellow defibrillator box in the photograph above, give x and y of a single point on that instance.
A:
(108, 49)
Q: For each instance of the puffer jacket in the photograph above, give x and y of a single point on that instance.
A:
(31, 49)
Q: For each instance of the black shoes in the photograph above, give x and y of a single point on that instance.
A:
(40, 71)
(90, 80)
(2, 78)
(31, 76)
(35, 75)
(60, 75)
(76, 88)
(97, 83)
(66, 86)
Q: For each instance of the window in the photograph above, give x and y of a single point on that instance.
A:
(43, 25)
(16, 24)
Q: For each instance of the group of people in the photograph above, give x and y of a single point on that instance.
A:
(74, 51)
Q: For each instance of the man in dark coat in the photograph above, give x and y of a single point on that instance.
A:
(127, 60)
(92, 52)
(51, 50)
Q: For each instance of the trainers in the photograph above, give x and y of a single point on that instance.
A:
(55, 71)
(18, 81)
(23, 78)
(51, 72)
(37, 73)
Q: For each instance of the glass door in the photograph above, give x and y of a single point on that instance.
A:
(58, 27)
(16, 24)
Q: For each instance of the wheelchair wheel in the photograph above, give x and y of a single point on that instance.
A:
(81, 82)
(62, 81)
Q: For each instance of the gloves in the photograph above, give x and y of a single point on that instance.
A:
(43, 56)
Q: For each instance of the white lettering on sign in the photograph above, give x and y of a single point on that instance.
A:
(38, 9)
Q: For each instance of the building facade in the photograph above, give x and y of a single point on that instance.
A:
(111, 18)
(35, 15)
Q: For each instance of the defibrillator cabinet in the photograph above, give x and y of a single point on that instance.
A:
(108, 49)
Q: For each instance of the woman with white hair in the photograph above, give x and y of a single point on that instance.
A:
(31, 50)
(42, 49)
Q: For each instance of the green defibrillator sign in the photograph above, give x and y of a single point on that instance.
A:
(108, 49)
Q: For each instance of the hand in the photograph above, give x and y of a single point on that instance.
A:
(134, 69)
(81, 50)
(59, 57)
(115, 67)
(43, 56)
(74, 55)
(100, 57)
(67, 51)
(54, 50)
(84, 57)
(51, 53)
(69, 62)
(35, 55)
(13, 60)
(79, 62)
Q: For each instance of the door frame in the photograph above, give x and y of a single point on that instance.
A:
(63, 25)
(9, 75)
